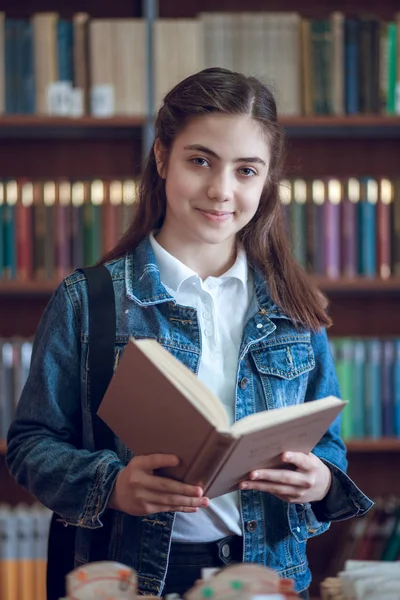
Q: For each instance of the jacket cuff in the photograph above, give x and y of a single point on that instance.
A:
(344, 499)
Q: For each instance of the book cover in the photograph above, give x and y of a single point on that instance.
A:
(169, 410)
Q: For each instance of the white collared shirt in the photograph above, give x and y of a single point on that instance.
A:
(221, 304)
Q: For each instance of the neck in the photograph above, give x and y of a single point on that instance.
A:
(207, 260)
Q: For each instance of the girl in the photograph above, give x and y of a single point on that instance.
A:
(205, 268)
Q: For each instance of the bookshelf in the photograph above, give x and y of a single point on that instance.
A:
(318, 146)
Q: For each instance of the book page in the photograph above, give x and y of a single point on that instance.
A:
(270, 418)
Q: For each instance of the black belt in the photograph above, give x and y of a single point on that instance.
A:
(228, 549)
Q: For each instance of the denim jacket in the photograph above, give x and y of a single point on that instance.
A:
(50, 443)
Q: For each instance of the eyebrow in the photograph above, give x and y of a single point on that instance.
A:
(200, 148)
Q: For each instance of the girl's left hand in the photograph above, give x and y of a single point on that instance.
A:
(309, 482)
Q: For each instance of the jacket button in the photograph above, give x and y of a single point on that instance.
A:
(244, 383)
(251, 526)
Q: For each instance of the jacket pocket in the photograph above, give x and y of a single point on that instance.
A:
(283, 371)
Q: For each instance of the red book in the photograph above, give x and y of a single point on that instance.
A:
(24, 230)
(384, 218)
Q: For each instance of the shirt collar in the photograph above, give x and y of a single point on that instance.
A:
(173, 272)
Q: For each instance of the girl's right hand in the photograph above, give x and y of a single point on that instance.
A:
(138, 491)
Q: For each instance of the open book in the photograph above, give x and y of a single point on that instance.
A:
(155, 404)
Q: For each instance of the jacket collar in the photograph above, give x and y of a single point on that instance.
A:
(143, 282)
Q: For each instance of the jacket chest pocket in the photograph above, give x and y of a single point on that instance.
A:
(283, 372)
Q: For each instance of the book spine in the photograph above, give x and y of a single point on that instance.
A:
(373, 410)
(396, 390)
(351, 62)
(388, 356)
(349, 237)
(214, 453)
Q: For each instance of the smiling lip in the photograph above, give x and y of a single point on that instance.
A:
(215, 215)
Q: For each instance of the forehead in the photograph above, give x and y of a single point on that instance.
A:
(230, 136)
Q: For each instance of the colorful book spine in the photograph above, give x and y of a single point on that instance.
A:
(332, 228)
(384, 225)
(298, 220)
(9, 231)
(24, 217)
(349, 228)
(373, 389)
(367, 227)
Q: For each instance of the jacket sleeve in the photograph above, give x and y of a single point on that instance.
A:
(45, 450)
(345, 499)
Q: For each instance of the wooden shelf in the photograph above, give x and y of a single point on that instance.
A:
(358, 126)
(30, 126)
(370, 445)
(33, 127)
(358, 285)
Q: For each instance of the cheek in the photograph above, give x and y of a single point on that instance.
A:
(179, 187)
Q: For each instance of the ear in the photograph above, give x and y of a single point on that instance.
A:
(160, 155)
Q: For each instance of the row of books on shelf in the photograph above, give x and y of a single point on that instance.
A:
(48, 228)
(373, 537)
(339, 64)
(23, 551)
(344, 227)
(368, 370)
(338, 228)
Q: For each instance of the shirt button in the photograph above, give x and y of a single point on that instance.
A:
(206, 315)
(244, 383)
(251, 526)
(208, 332)
(259, 326)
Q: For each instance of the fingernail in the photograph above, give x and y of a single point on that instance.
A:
(244, 486)
(255, 475)
(288, 456)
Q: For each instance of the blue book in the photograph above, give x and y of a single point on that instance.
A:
(359, 354)
(396, 388)
(65, 48)
(367, 227)
(388, 357)
(27, 67)
(351, 65)
(10, 66)
(373, 389)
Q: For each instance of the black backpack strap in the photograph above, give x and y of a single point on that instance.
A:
(102, 330)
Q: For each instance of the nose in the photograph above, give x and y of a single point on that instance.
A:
(221, 187)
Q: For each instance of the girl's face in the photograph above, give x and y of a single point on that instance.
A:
(215, 174)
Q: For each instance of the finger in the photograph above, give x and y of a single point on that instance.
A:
(170, 501)
(299, 459)
(151, 462)
(171, 486)
(283, 476)
(276, 489)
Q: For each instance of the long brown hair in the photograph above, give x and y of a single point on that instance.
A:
(264, 238)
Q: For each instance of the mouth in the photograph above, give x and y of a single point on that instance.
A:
(216, 213)
(215, 216)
